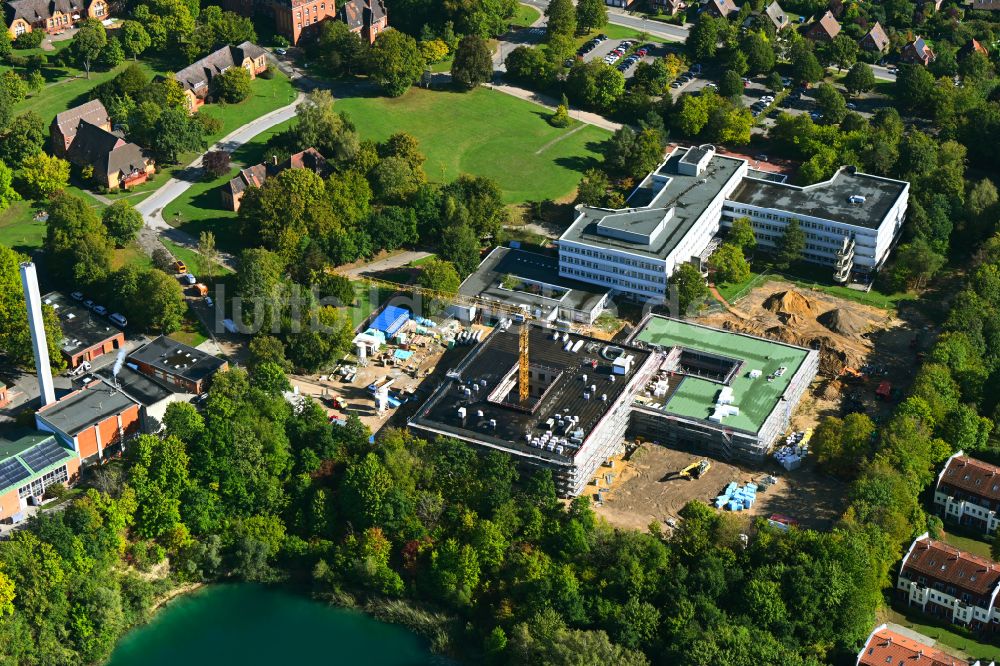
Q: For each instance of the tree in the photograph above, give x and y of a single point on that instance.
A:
(208, 255)
(7, 192)
(759, 53)
(831, 104)
(134, 38)
(915, 264)
(774, 82)
(914, 87)
(729, 263)
(76, 241)
(842, 51)
(216, 162)
(14, 87)
(88, 41)
(342, 52)
(703, 38)
(473, 63)
(25, 136)
(319, 125)
(396, 63)
(461, 247)
(595, 85)
(176, 132)
(633, 154)
(395, 179)
(591, 14)
(440, 276)
(42, 176)
(741, 235)
(122, 221)
(233, 85)
(561, 19)
(528, 65)
(790, 245)
(112, 54)
(15, 338)
(690, 287)
(805, 66)
(731, 84)
(859, 79)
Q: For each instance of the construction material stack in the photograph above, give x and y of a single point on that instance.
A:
(737, 498)
(795, 449)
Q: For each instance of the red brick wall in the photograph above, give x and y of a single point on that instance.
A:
(87, 443)
(112, 343)
(73, 470)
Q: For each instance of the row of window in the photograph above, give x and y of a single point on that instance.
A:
(636, 263)
(613, 268)
(621, 283)
(37, 487)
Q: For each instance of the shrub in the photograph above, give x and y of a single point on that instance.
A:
(29, 40)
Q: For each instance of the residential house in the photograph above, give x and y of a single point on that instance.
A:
(66, 124)
(196, 78)
(778, 17)
(176, 365)
(116, 162)
(824, 29)
(365, 17)
(886, 647)
(25, 16)
(918, 51)
(875, 40)
(28, 466)
(721, 8)
(95, 421)
(968, 493)
(668, 7)
(970, 47)
(949, 584)
(254, 176)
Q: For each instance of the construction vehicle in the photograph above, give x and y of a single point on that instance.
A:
(884, 390)
(695, 470)
(849, 374)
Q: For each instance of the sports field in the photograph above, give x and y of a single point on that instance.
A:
(756, 398)
(484, 133)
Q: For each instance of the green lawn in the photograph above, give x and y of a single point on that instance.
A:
(189, 256)
(974, 546)
(525, 16)
(485, 133)
(192, 332)
(200, 207)
(947, 638)
(268, 94)
(19, 229)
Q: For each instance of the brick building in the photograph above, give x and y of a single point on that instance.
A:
(300, 19)
(824, 29)
(254, 176)
(64, 126)
(85, 334)
(177, 365)
(94, 421)
(4, 395)
(28, 466)
(949, 584)
(23, 16)
(918, 52)
(367, 18)
(875, 40)
(196, 78)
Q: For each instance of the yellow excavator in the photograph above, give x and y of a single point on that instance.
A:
(695, 469)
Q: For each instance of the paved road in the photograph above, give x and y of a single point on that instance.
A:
(668, 32)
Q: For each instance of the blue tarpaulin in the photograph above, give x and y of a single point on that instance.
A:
(402, 354)
(390, 320)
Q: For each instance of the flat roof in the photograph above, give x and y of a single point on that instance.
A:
(177, 359)
(490, 362)
(532, 267)
(829, 200)
(25, 459)
(141, 388)
(82, 329)
(649, 204)
(82, 409)
(695, 397)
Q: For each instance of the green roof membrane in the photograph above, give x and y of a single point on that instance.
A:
(756, 398)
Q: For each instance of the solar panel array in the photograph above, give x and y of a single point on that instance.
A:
(11, 472)
(42, 455)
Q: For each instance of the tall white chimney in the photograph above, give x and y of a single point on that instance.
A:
(29, 280)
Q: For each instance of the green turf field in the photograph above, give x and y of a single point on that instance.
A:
(756, 398)
(485, 133)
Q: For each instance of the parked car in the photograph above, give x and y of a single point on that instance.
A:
(89, 304)
(100, 310)
(180, 267)
(280, 52)
(76, 296)
(676, 84)
(569, 62)
(118, 320)
(852, 106)
(761, 157)
(208, 301)
(601, 37)
(188, 279)
(642, 52)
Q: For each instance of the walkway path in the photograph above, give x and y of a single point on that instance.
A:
(724, 302)
(558, 139)
(397, 260)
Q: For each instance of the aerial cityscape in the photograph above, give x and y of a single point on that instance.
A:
(502, 332)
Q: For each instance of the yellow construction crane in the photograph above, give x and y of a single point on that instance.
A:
(524, 381)
(523, 365)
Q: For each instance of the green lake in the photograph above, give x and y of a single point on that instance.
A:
(250, 624)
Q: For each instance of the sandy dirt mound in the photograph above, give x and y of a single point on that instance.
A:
(844, 322)
(790, 303)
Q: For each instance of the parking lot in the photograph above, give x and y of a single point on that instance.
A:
(605, 48)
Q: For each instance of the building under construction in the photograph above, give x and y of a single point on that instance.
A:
(676, 383)
(570, 417)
